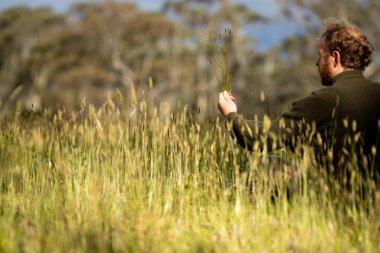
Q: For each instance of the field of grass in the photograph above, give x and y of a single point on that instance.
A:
(133, 179)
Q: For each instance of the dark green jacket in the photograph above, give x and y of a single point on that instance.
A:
(346, 112)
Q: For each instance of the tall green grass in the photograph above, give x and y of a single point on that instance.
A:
(136, 178)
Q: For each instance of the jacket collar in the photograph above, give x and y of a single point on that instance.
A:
(348, 74)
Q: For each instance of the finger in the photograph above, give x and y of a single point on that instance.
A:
(221, 97)
(232, 98)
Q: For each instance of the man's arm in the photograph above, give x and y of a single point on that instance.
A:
(246, 132)
(243, 130)
(302, 118)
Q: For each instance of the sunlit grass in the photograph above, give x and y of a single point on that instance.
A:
(135, 178)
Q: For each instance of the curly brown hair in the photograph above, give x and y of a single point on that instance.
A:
(354, 48)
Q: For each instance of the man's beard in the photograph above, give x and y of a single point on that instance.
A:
(325, 73)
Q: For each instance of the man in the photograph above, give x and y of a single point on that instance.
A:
(343, 116)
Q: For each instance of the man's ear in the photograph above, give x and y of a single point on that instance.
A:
(336, 56)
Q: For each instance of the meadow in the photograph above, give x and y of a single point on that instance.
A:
(133, 177)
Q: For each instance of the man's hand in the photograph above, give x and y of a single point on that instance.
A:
(226, 103)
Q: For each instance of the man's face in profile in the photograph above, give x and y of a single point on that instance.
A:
(324, 64)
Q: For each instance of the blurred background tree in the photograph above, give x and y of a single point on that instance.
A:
(53, 60)
(22, 31)
(50, 59)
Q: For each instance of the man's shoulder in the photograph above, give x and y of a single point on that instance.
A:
(318, 102)
(358, 86)
(326, 94)
(352, 78)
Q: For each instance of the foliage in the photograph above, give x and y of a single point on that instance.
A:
(140, 179)
(131, 176)
(54, 60)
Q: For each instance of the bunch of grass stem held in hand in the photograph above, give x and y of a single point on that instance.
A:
(218, 53)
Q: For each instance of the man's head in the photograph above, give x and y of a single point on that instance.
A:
(342, 47)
